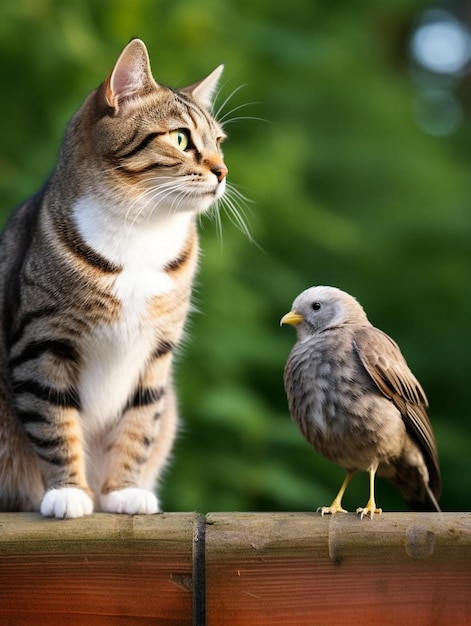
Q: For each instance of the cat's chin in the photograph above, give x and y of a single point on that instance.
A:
(206, 200)
(199, 205)
(220, 189)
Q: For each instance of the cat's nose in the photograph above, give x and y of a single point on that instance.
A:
(216, 166)
(220, 171)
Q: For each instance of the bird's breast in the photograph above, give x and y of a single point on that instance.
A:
(337, 409)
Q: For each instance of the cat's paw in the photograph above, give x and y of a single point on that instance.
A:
(131, 500)
(66, 502)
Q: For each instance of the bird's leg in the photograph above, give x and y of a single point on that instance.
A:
(336, 506)
(370, 508)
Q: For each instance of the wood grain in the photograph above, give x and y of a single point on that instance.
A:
(98, 570)
(306, 570)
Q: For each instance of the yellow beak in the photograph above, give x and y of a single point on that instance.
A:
(291, 318)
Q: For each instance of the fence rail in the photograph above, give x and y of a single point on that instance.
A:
(236, 568)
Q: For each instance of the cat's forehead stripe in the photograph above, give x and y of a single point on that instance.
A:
(193, 110)
(192, 116)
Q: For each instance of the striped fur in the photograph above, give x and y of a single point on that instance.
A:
(96, 274)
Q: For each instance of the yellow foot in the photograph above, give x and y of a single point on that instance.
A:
(370, 509)
(330, 510)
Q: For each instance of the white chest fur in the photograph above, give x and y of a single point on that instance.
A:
(115, 354)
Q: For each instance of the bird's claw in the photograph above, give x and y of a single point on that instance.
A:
(370, 509)
(330, 510)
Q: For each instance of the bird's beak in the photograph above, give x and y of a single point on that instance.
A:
(291, 318)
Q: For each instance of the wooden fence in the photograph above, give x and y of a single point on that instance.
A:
(234, 568)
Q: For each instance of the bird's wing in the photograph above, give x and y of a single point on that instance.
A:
(383, 360)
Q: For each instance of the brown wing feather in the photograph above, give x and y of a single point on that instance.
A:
(384, 362)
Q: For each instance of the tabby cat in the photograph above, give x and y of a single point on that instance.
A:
(96, 273)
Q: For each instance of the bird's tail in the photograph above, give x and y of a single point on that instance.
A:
(428, 503)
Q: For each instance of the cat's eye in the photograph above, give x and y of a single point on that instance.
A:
(180, 138)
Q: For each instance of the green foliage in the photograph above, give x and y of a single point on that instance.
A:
(346, 191)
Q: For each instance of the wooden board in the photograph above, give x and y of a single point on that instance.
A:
(338, 570)
(229, 569)
(98, 570)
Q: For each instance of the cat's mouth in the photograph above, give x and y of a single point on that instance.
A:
(210, 191)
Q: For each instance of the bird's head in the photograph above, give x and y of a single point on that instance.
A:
(318, 308)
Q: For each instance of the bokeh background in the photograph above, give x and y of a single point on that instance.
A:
(358, 174)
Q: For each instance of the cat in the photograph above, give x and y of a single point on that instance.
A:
(96, 275)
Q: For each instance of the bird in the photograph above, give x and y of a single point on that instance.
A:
(356, 401)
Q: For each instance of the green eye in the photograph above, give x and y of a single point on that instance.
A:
(180, 138)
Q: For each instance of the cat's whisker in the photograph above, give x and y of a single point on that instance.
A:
(227, 114)
(215, 216)
(152, 193)
(235, 216)
(244, 117)
(184, 197)
(176, 191)
(234, 190)
(156, 196)
(180, 193)
(234, 203)
(228, 99)
(153, 197)
(142, 201)
(110, 170)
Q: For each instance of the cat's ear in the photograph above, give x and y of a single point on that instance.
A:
(203, 91)
(131, 75)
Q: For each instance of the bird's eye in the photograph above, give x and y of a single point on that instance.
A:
(180, 138)
(315, 306)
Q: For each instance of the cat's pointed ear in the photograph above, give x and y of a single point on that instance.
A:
(203, 91)
(131, 75)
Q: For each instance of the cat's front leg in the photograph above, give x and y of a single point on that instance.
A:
(57, 441)
(136, 453)
(62, 459)
(49, 413)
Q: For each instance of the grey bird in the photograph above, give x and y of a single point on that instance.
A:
(357, 402)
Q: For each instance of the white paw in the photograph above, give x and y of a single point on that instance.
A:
(66, 502)
(132, 501)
